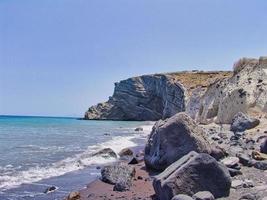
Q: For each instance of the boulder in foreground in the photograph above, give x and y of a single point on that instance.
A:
(172, 139)
(191, 174)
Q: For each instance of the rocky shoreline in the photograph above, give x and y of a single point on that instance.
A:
(210, 141)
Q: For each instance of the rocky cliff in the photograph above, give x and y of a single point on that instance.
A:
(245, 91)
(205, 96)
(152, 97)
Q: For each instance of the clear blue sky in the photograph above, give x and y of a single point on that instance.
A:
(58, 57)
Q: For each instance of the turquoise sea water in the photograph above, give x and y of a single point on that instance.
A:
(38, 152)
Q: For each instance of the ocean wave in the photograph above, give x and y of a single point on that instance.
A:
(77, 162)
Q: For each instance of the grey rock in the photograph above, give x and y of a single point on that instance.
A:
(74, 196)
(204, 195)
(182, 197)
(249, 196)
(230, 161)
(234, 172)
(237, 184)
(133, 161)
(172, 139)
(262, 165)
(191, 174)
(139, 129)
(263, 146)
(122, 186)
(126, 152)
(105, 153)
(148, 97)
(118, 172)
(50, 189)
(245, 160)
(242, 122)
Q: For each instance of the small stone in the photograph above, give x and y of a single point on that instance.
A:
(230, 161)
(121, 186)
(237, 184)
(234, 172)
(248, 196)
(139, 129)
(262, 165)
(181, 197)
(258, 156)
(126, 152)
(248, 183)
(215, 138)
(74, 196)
(134, 161)
(245, 160)
(205, 195)
(50, 189)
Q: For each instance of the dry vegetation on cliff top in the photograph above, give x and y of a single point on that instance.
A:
(194, 79)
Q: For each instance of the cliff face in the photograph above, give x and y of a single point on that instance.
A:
(245, 91)
(152, 97)
(149, 97)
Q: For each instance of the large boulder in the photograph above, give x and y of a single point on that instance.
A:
(242, 122)
(118, 173)
(172, 139)
(191, 174)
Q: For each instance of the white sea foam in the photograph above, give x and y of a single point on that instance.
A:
(77, 162)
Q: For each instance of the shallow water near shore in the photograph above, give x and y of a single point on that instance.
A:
(38, 152)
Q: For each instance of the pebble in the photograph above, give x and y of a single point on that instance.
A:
(230, 161)
(205, 195)
(181, 197)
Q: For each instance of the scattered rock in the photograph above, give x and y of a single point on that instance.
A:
(105, 153)
(139, 129)
(74, 196)
(193, 173)
(134, 161)
(50, 189)
(262, 165)
(230, 161)
(258, 156)
(118, 172)
(126, 152)
(121, 186)
(234, 172)
(242, 122)
(237, 184)
(181, 197)
(245, 160)
(218, 152)
(263, 146)
(172, 139)
(248, 196)
(205, 195)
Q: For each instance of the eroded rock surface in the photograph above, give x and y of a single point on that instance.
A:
(245, 91)
(149, 97)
